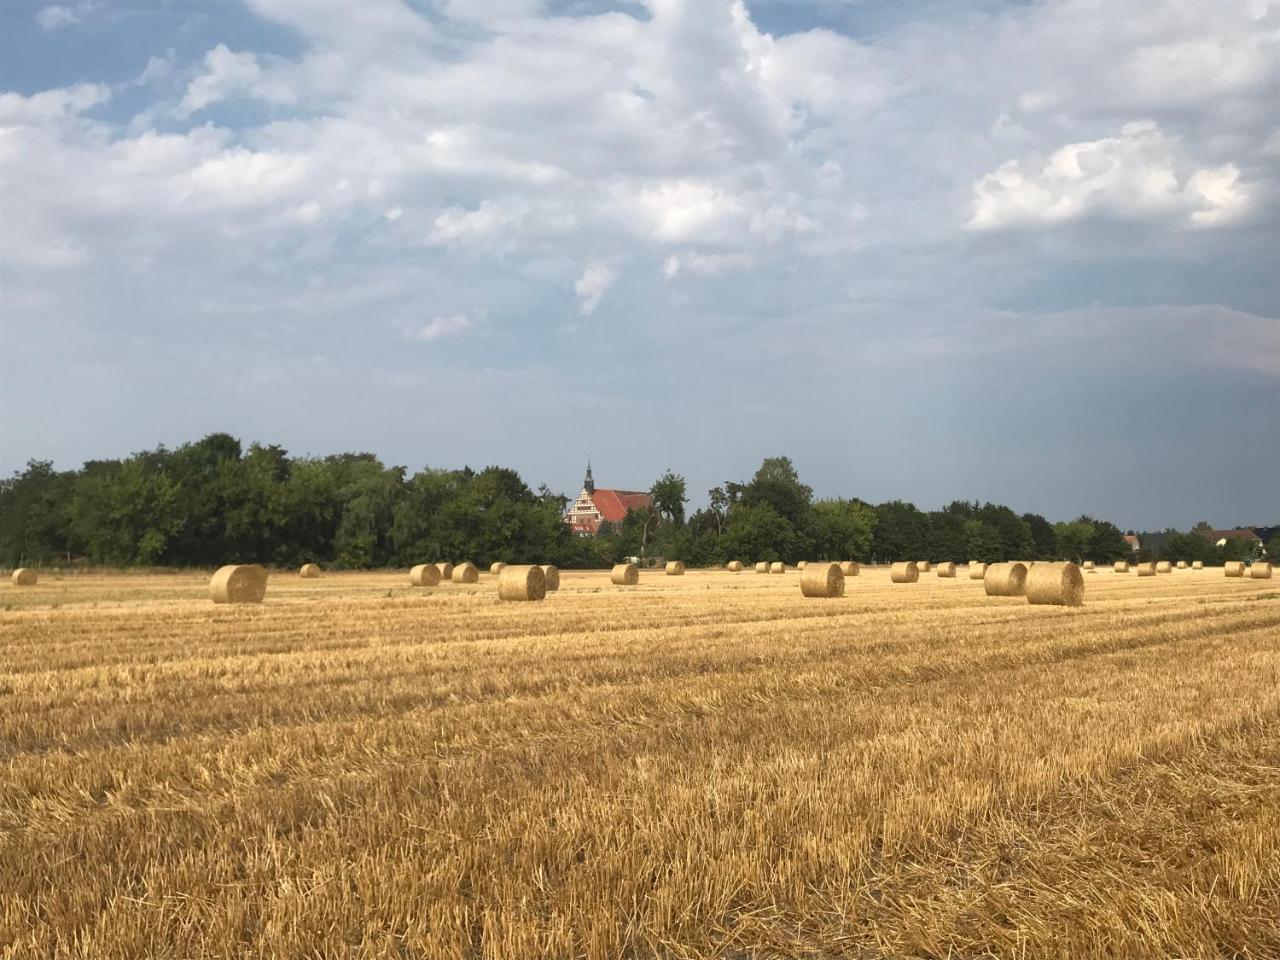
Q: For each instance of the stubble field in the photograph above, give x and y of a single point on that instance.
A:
(706, 766)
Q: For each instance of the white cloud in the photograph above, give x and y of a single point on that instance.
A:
(1142, 172)
(761, 193)
(594, 283)
(56, 16)
(703, 264)
(437, 327)
(229, 74)
(51, 105)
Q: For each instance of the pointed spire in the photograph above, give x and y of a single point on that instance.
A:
(589, 484)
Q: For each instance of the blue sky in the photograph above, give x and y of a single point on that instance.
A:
(1020, 252)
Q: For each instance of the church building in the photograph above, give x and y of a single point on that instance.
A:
(594, 506)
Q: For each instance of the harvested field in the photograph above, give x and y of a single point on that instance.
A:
(705, 766)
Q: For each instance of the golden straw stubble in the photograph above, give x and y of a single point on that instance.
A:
(1061, 584)
(822, 580)
(522, 583)
(238, 583)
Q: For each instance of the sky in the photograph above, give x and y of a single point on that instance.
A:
(1021, 252)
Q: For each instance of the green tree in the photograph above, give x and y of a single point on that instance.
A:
(843, 530)
(901, 532)
(669, 497)
(1074, 538)
(1189, 547)
(758, 532)
(1044, 541)
(124, 512)
(777, 485)
(982, 542)
(33, 515)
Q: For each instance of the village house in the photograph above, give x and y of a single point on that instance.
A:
(594, 506)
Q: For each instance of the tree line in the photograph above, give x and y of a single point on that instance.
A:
(213, 501)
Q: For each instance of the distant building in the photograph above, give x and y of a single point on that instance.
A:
(594, 506)
(1219, 538)
(1134, 543)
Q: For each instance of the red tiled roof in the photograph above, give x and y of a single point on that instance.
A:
(1216, 535)
(614, 504)
(1131, 540)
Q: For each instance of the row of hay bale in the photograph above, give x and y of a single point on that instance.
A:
(1258, 570)
(1057, 584)
(247, 582)
(848, 567)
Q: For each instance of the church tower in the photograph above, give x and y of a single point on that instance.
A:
(589, 483)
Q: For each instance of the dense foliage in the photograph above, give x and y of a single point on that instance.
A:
(212, 501)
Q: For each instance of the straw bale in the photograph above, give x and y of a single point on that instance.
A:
(238, 583)
(1060, 584)
(822, 580)
(521, 583)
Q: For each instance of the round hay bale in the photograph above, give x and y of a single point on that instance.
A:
(802, 564)
(625, 575)
(238, 583)
(1197, 564)
(977, 570)
(1120, 566)
(25, 577)
(904, 572)
(552, 573)
(309, 571)
(849, 568)
(923, 566)
(1181, 565)
(1146, 569)
(425, 575)
(1005, 580)
(446, 570)
(465, 573)
(1258, 570)
(1088, 565)
(1164, 566)
(822, 580)
(1060, 584)
(496, 567)
(947, 569)
(675, 568)
(521, 583)
(735, 566)
(777, 567)
(1233, 568)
